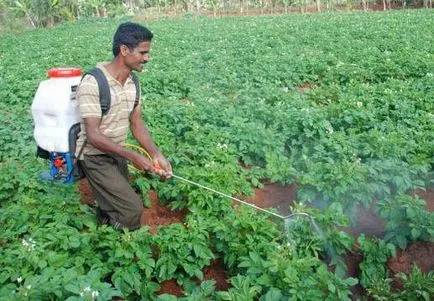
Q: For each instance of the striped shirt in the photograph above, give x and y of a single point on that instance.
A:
(115, 123)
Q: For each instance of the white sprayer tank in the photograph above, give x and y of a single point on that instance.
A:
(55, 109)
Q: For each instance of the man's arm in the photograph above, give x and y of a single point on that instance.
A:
(97, 139)
(141, 133)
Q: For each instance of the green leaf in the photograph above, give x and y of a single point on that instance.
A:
(72, 288)
(166, 297)
(273, 294)
(331, 287)
(255, 257)
(42, 264)
(351, 281)
(415, 233)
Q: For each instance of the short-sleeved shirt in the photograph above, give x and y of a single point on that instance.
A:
(115, 123)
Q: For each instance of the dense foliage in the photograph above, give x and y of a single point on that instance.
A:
(341, 104)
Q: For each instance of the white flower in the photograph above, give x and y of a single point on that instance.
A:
(222, 146)
(29, 245)
(81, 294)
(95, 294)
(87, 289)
(19, 279)
(28, 286)
(359, 104)
(210, 164)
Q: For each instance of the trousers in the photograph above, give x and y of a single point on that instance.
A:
(118, 204)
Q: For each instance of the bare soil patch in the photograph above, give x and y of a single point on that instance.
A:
(159, 215)
(273, 195)
(366, 221)
(304, 87)
(170, 287)
(86, 197)
(420, 253)
(216, 271)
(352, 261)
(427, 195)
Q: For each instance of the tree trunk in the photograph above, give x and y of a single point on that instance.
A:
(31, 20)
(318, 5)
(384, 5)
(365, 5)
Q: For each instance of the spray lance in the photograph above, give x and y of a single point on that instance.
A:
(287, 219)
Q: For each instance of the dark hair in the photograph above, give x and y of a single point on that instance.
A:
(131, 35)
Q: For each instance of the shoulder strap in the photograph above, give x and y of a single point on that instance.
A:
(103, 87)
(137, 84)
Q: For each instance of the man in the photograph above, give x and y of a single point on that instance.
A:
(103, 159)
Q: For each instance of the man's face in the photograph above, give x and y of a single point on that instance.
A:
(136, 58)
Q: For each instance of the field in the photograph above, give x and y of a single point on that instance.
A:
(325, 114)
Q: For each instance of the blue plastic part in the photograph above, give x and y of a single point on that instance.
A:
(62, 174)
(45, 175)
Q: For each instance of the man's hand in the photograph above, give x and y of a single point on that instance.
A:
(162, 166)
(143, 163)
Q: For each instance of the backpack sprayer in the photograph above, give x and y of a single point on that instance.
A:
(55, 113)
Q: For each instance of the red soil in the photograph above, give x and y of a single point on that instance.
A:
(367, 222)
(428, 196)
(216, 271)
(304, 87)
(170, 287)
(419, 253)
(352, 261)
(158, 215)
(86, 194)
(273, 195)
